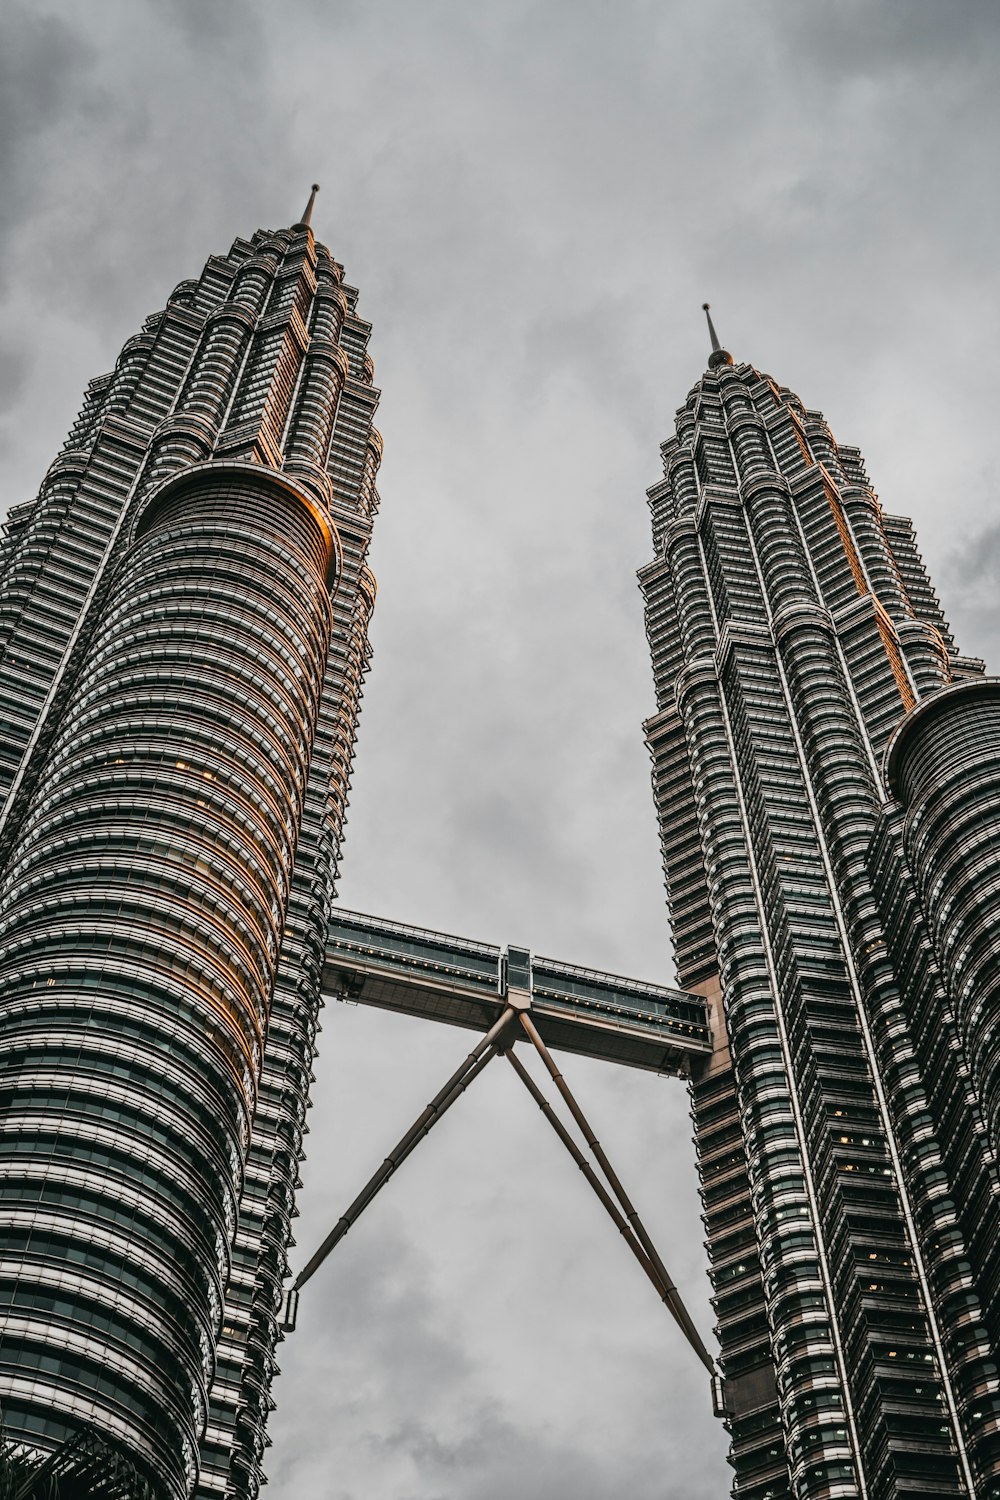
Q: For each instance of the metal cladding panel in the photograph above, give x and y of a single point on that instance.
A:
(364, 984)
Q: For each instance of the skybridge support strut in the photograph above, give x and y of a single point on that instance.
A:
(442, 1101)
(661, 1279)
(617, 1217)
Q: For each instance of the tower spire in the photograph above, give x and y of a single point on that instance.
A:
(307, 216)
(718, 356)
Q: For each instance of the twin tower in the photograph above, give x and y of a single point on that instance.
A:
(183, 638)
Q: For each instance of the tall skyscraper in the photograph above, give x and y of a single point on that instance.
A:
(826, 777)
(183, 616)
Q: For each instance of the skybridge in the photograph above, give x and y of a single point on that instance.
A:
(442, 978)
(510, 996)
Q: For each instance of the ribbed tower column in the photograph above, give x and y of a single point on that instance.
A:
(141, 919)
(943, 766)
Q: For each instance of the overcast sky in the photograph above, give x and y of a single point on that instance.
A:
(535, 199)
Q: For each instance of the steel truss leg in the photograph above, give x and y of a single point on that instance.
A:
(442, 1101)
(620, 1222)
(661, 1279)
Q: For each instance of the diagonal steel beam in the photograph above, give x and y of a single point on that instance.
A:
(671, 1295)
(618, 1218)
(442, 1101)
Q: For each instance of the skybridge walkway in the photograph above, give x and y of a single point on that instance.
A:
(442, 978)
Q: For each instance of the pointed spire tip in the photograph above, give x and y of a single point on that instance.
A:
(307, 216)
(718, 356)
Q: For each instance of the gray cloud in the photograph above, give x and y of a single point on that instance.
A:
(849, 37)
(970, 582)
(46, 87)
(45, 81)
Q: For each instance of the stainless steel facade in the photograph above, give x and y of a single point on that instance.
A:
(183, 616)
(846, 1127)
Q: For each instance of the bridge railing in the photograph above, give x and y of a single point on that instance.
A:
(414, 949)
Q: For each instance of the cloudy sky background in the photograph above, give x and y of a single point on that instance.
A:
(534, 198)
